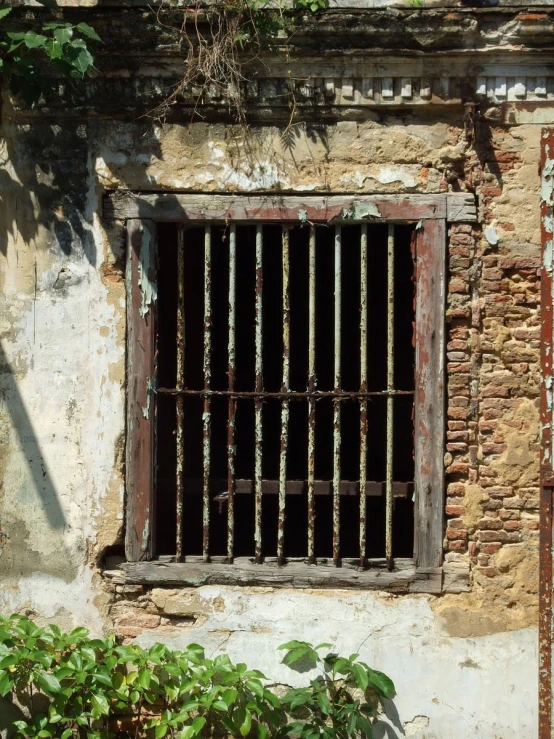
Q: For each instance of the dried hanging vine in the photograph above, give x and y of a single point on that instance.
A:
(219, 41)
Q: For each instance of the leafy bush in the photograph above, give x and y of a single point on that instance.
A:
(69, 685)
(54, 44)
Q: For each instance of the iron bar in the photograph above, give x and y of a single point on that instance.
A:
(390, 385)
(180, 403)
(336, 403)
(285, 387)
(206, 413)
(311, 400)
(258, 403)
(363, 389)
(291, 395)
(232, 404)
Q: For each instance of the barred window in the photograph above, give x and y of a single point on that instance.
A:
(285, 391)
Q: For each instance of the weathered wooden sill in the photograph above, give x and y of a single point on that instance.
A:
(405, 578)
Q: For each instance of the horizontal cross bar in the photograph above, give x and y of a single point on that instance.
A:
(291, 395)
(193, 486)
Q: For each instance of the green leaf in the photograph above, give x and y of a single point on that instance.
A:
(246, 725)
(118, 679)
(382, 683)
(100, 705)
(229, 697)
(186, 733)
(4, 12)
(88, 31)
(300, 653)
(33, 41)
(360, 676)
(364, 726)
(88, 653)
(49, 683)
(101, 678)
(66, 734)
(324, 703)
(294, 645)
(6, 684)
(198, 724)
(160, 731)
(62, 36)
(144, 678)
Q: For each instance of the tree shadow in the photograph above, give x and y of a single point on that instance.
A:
(38, 467)
(392, 728)
(43, 183)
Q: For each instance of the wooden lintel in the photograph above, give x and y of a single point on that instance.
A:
(191, 207)
(294, 209)
(405, 578)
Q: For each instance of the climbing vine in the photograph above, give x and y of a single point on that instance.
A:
(222, 40)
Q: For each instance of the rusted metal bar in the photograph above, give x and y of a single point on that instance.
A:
(363, 389)
(180, 430)
(390, 401)
(547, 419)
(206, 414)
(311, 400)
(336, 403)
(258, 430)
(232, 404)
(291, 395)
(285, 387)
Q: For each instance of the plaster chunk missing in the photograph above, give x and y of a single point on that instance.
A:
(415, 725)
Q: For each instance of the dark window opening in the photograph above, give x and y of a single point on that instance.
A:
(379, 307)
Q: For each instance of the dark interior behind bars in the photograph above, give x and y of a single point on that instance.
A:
(295, 542)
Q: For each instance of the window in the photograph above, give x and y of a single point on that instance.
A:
(285, 389)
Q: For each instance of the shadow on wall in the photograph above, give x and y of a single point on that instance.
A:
(28, 442)
(392, 728)
(43, 182)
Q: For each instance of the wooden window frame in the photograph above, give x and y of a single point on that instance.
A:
(141, 212)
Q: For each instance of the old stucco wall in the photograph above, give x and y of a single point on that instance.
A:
(455, 658)
(464, 664)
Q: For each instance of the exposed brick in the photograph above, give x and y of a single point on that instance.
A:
(490, 524)
(456, 534)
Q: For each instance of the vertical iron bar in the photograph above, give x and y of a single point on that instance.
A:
(285, 387)
(336, 401)
(363, 389)
(232, 405)
(179, 440)
(390, 400)
(258, 403)
(311, 401)
(206, 413)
